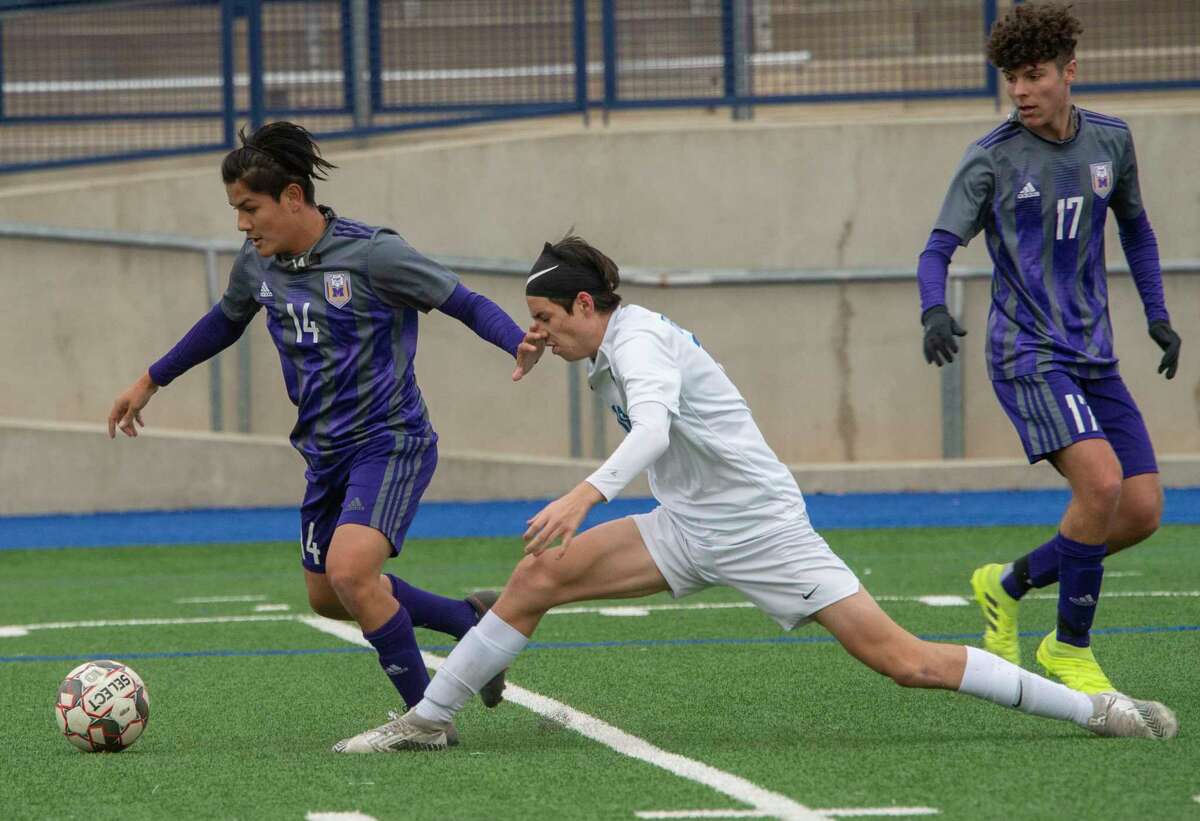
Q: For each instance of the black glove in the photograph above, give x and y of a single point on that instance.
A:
(1162, 333)
(940, 330)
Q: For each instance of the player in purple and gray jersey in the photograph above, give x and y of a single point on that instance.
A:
(1040, 186)
(341, 300)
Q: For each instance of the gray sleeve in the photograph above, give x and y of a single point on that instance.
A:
(238, 303)
(1126, 201)
(969, 195)
(404, 278)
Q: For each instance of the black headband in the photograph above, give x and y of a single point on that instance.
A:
(552, 276)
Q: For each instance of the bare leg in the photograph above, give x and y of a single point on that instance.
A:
(873, 638)
(609, 561)
(325, 602)
(1138, 513)
(870, 635)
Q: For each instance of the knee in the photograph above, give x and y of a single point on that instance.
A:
(348, 581)
(1103, 492)
(1143, 520)
(1146, 514)
(536, 583)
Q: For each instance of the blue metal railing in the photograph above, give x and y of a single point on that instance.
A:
(178, 76)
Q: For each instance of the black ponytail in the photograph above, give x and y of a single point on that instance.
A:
(274, 157)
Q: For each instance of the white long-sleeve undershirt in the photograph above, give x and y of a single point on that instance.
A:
(643, 445)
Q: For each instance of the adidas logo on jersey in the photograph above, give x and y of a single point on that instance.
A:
(355, 504)
(264, 292)
(1028, 192)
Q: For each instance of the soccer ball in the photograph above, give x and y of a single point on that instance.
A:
(102, 706)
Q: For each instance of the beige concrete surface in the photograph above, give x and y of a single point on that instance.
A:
(74, 468)
(833, 372)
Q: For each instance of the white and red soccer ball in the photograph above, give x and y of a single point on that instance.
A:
(102, 706)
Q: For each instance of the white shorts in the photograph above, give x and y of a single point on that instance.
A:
(789, 573)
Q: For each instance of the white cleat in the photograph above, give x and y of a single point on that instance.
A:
(1116, 714)
(402, 732)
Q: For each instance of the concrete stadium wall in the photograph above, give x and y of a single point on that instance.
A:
(49, 468)
(833, 372)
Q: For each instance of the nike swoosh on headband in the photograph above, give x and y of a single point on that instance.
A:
(539, 273)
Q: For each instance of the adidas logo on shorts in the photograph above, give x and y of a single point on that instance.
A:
(355, 504)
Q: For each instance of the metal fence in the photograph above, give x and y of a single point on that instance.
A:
(102, 80)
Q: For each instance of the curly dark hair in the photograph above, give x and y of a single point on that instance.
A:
(1034, 33)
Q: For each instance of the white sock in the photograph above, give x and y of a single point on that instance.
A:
(486, 649)
(992, 678)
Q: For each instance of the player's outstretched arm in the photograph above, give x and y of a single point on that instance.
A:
(529, 351)
(127, 408)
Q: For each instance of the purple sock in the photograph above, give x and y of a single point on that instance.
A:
(1038, 568)
(400, 658)
(1080, 571)
(452, 616)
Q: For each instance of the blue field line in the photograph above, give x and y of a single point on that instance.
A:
(570, 645)
(452, 520)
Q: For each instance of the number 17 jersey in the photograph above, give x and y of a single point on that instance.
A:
(1042, 206)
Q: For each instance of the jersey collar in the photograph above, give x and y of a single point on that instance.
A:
(298, 263)
(598, 367)
(1076, 119)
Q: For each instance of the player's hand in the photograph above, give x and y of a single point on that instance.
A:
(127, 408)
(560, 518)
(529, 352)
(1162, 333)
(940, 330)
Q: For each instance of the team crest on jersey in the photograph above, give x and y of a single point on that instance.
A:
(1101, 178)
(337, 288)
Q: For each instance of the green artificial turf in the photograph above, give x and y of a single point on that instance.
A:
(243, 713)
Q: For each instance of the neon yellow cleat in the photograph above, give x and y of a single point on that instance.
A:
(1074, 666)
(999, 613)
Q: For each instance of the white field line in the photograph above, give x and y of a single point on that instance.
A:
(11, 630)
(220, 599)
(338, 816)
(23, 629)
(850, 812)
(929, 600)
(833, 812)
(700, 814)
(763, 801)
(271, 608)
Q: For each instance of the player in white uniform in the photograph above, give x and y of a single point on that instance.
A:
(730, 514)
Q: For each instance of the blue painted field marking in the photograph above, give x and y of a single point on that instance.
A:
(570, 645)
(449, 520)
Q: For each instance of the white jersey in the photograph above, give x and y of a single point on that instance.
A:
(718, 477)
